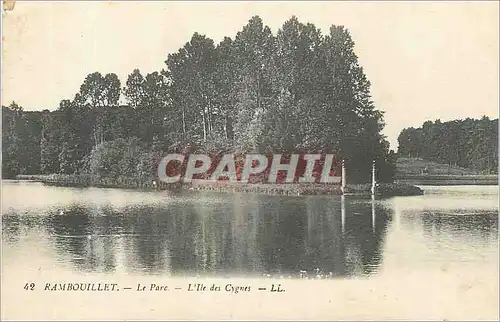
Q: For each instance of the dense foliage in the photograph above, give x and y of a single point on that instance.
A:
(296, 91)
(467, 143)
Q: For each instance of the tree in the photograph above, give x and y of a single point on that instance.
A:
(20, 141)
(98, 92)
(50, 143)
(296, 91)
(115, 158)
(191, 72)
(467, 143)
(134, 90)
(254, 47)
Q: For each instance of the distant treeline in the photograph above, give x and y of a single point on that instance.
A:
(467, 143)
(299, 91)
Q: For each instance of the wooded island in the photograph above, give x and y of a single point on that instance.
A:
(297, 91)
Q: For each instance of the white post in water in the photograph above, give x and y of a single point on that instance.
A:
(374, 182)
(344, 178)
(373, 213)
(342, 212)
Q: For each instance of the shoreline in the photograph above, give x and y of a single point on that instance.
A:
(290, 189)
(448, 180)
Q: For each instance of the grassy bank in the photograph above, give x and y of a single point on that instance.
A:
(385, 190)
(414, 171)
(415, 166)
(485, 180)
(227, 187)
(70, 180)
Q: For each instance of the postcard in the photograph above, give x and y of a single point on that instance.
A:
(251, 160)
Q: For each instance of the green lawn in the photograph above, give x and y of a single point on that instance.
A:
(414, 167)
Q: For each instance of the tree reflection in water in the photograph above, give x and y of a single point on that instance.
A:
(244, 235)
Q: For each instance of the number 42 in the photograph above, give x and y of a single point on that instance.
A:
(29, 286)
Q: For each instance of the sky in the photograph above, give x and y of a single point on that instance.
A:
(425, 60)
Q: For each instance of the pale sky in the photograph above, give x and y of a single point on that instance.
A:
(425, 60)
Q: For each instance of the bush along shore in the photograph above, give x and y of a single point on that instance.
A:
(74, 180)
(383, 189)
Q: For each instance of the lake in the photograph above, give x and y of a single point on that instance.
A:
(424, 257)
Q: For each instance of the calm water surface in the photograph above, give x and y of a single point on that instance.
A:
(114, 231)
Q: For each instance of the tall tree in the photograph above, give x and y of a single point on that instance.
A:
(254, 47)
(149, 96)
(192, 90)
(99, 91)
